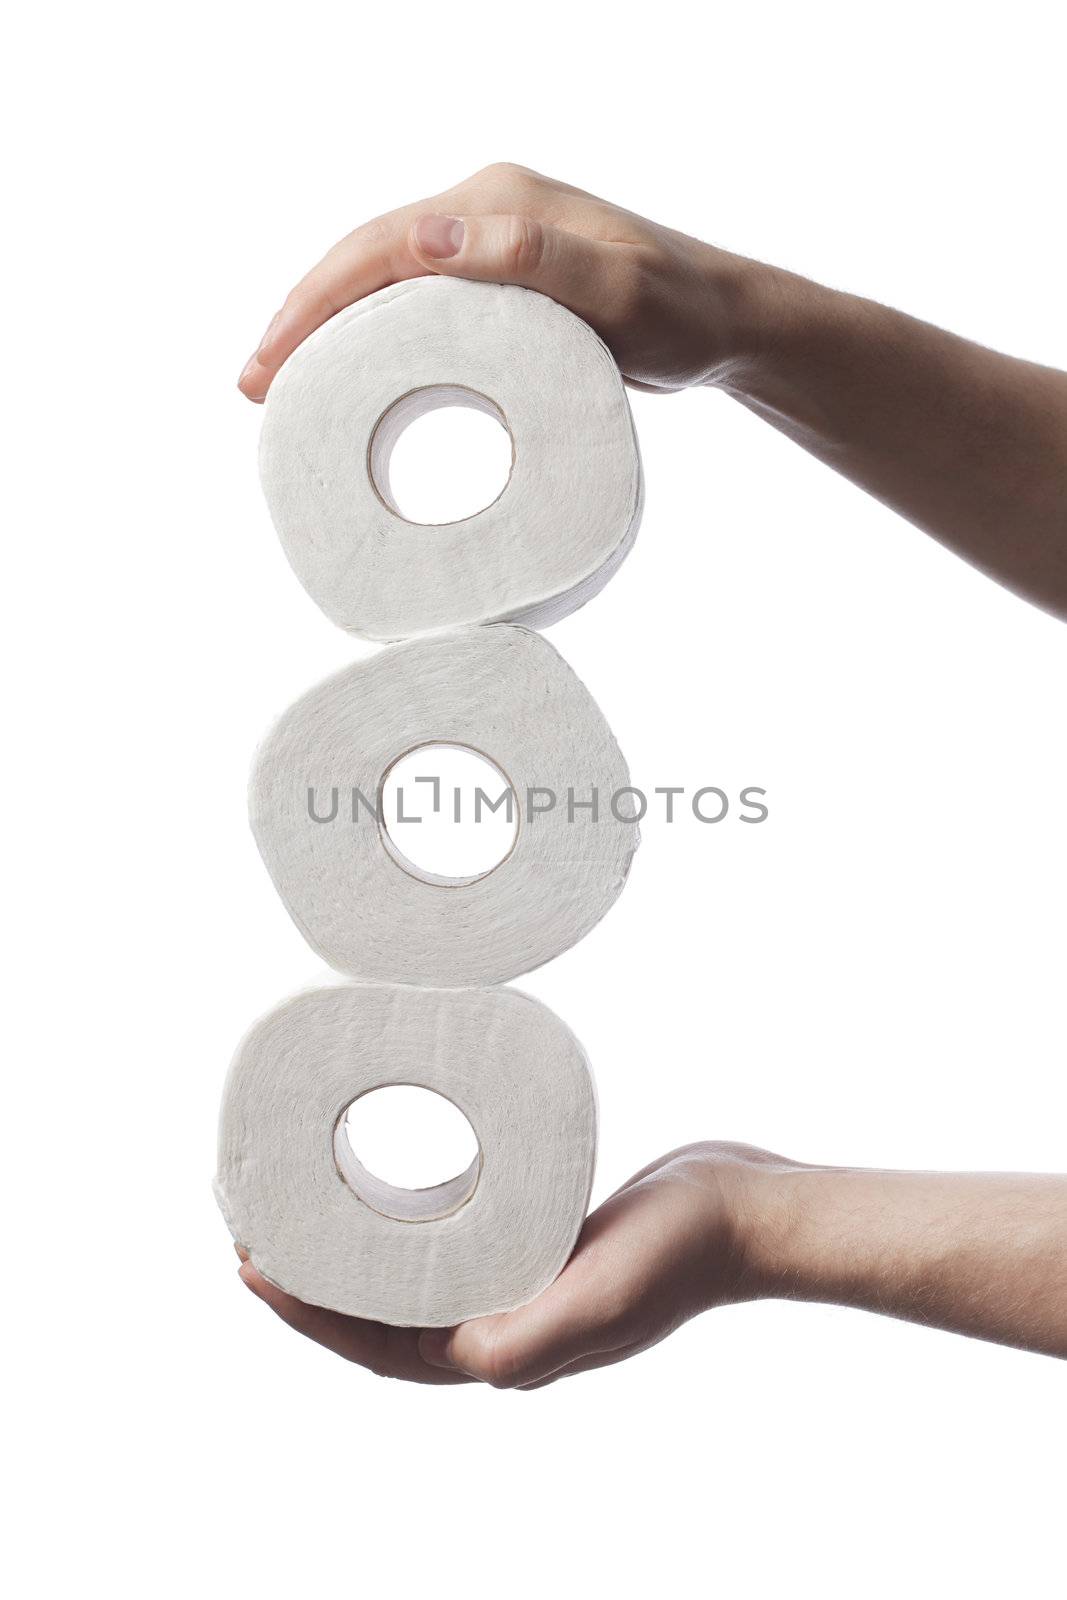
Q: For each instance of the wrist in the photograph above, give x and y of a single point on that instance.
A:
(770, 324)
(757, 1223)
(782, 1207)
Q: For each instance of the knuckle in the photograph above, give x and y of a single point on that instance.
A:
(522, 245)
(507, 170)
(633, 291)
(503, 185)
(373, 234)
(299, 298)
(502, 1374)
(310, 299)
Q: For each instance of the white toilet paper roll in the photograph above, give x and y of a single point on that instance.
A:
(562, 525)
(504, 693)
(314, 1220)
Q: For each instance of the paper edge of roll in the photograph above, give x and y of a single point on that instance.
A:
(218, 1186)
(265, 746)
(537, 610)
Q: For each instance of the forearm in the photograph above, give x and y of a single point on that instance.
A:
(978, 1253)
(968, 444)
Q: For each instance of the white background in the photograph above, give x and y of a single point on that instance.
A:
(874, 976)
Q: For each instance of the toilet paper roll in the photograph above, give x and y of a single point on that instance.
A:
(504, 693)
(559, 529)
(316, 1223)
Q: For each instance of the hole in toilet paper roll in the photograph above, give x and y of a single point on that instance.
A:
(393, 1145)
(440, 455)
(448, 814)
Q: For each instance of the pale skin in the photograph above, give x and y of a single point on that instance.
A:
(969, 445)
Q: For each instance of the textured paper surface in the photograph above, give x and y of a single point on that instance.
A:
(504, 692)
(560, 528)
(518, 1075)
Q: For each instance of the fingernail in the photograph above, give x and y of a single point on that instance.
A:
(247, 370)
(242, 1253)
(246, 1274)
(433, 1348)
(439, 237)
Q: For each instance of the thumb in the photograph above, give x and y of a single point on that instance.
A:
(514, 249)
(512, 1348)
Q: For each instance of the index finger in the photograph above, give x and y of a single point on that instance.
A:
(387, 1351)
(372, 257)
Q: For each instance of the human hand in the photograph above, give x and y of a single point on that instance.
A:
(980, 1253)
(672, 310)
(671, 1242)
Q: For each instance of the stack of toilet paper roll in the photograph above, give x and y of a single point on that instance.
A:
(424, 953)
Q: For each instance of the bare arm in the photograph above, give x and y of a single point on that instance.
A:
(968, 444)
(978, 1253)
